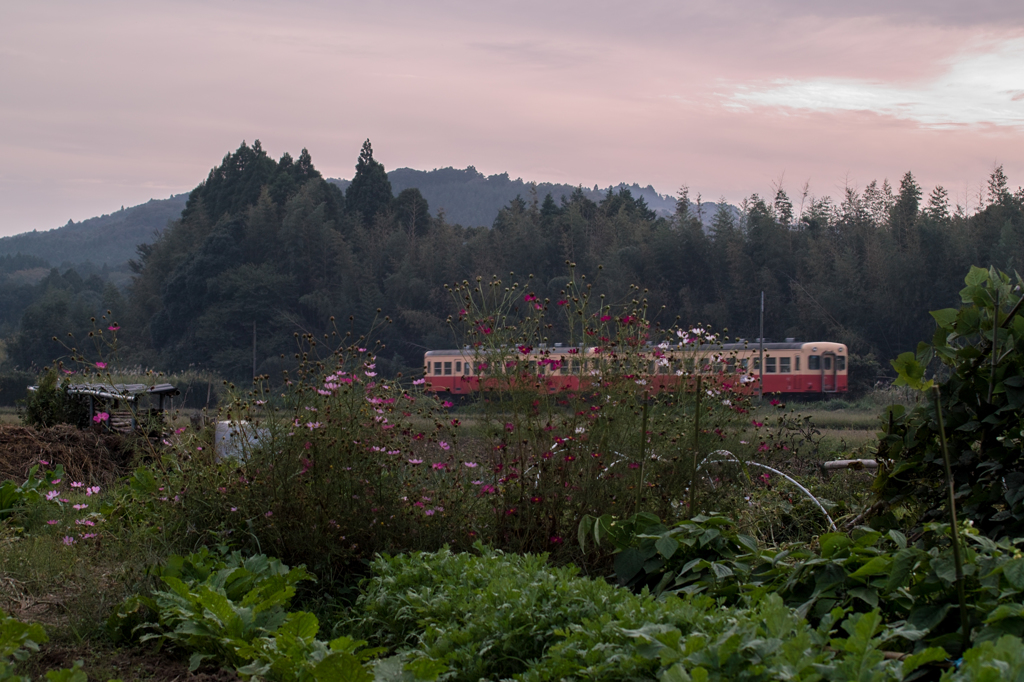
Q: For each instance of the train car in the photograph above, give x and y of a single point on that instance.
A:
(790, 367)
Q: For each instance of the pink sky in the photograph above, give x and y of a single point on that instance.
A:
(113, 103)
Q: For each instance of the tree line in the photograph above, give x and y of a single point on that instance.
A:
(269, 249)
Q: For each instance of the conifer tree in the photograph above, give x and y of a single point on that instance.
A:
(370, 191)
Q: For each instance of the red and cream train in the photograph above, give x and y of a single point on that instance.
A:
(792, 367)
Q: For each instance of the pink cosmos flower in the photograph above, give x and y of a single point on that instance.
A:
(76, 484)
(429, 512)
(101, 365)
(100, 417)
(114, 327)
(415, 461)
(446, 403)
(440, 466)
(444, 446)
(53, 522)
(471, 465)
(418, 382)
(80, 506)
(68, 540)
(88, 536)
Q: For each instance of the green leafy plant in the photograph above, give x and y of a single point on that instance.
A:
(980, 351)
(232, 611)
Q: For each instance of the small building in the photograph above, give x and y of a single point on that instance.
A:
(123, 403)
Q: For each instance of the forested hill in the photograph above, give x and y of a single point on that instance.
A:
(469, 198)
(105, 240)
(272, 243)
(466, 197)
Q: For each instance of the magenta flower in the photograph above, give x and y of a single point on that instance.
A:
(446, 403)
(444, 445)
(100, 417)
(52, 522)
(114, 327)
(101, 365)
(415, 461)
(440, 466)
(471, 465)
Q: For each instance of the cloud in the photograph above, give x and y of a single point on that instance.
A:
(977, 88)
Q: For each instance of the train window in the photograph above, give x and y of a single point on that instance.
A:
(784, 365)
(690, 365)
(663, 366)
(814, 362)
(744, 363)
(796, 367)
(769, 365)
(756, 363)
(828, 362)
(458, 368)
(540, 367)
(447, 368)
(437, 368)
(841, 364)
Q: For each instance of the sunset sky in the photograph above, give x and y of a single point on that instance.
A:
(104, 104)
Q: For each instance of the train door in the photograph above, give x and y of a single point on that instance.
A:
(829, 368)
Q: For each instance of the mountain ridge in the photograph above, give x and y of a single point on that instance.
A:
(466, 196)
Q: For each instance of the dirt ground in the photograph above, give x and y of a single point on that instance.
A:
(129, 665)
(88, 456)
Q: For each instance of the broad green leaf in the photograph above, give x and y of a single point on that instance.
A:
(877, 566)
(832, 542)
(866, 594)
(945, 317)
(666, 546)
(341, 667)
(1014, 572)
(929, 655)
(976, 276)
(628, 563)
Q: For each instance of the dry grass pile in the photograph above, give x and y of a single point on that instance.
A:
(87, 456)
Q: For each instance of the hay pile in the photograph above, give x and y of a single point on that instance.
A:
(87, 456)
